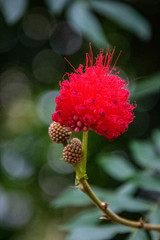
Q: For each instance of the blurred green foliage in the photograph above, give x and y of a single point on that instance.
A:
(36, 197)
(137, 191)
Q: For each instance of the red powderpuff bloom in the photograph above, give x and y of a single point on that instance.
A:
(94, 98)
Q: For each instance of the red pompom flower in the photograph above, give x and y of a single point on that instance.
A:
(94, 98)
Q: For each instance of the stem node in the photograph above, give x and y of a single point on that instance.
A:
(141, 223)
(104, 206)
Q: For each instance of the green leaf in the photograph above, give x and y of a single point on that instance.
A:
(147, 181)
(117, 167)
(56, 6)
(89, 218)
(156, 139)
(125, 16)
(154, 235)
(144, 154)
(120, 203)
(148, 86)
(71, 197)
(138, 235)
(74, 197)
(154, 218)
(97, 233)
(80, 14)
(13, 10)
(126, 189)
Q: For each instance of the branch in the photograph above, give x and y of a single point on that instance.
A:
(85, 187)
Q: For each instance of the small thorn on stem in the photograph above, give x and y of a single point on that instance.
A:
(104, 217)
(104, 206)
(80, 186)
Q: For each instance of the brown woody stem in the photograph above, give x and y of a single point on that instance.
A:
(85, 187)
(108, 214)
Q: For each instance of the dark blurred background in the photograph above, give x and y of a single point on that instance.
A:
(35, 36)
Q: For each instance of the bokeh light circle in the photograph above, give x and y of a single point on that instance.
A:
(16, 209)
(14, 85)
(36, 26)
(55, 160)
(65, 38)
(50, 182)
(48, 66)
(15, 165)
(46, 105)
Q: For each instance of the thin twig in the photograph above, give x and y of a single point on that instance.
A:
(113, 217)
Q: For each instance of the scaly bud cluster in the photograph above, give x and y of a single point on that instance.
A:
(72, 153)
(58, 133)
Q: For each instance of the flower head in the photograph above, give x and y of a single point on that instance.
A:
(94, 97)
